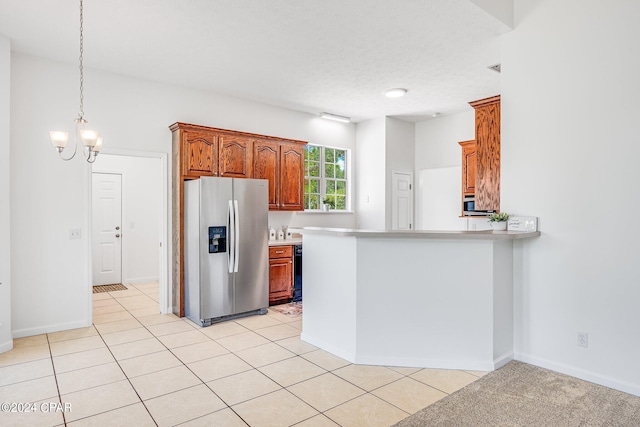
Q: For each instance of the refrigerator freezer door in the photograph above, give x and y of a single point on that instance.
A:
(216, 284)
(252, 278)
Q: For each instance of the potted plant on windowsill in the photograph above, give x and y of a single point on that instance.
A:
(498, 221)
(328, 204)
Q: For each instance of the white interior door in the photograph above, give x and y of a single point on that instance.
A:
(106, 228)
(402, 200)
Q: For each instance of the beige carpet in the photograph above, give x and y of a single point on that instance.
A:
(109, 288)
(519, 394)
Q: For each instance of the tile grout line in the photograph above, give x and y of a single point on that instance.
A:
(55, 377)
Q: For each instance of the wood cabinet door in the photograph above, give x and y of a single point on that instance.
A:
(469, 159)
(200, 154)
(291, 177)
(487, 183)
(235, 155)
(266, 165)
(280, 279)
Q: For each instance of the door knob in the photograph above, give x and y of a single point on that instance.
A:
(118, 227)
(117, 235)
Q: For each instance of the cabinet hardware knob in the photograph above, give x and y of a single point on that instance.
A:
(117, 235)
(117, 227)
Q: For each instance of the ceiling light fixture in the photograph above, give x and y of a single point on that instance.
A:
(395, 93)
(91, 140)
(335, 117)
(435, 114)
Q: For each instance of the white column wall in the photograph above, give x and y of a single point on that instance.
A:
(50, 272)
(570, 110)
(6, 337)
(370, 174)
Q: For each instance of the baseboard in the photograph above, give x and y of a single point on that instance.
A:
(139, 280)
(27, 332)
(499, 362)
(468, 365)
(327, 347)
(581, 374)
(6, 346)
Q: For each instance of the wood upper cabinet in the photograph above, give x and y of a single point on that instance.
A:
(468, 167)
(292, 177)
(266, 165)
(280, 273)
(200, 154)
(487, 183)
(235, 155)
(283, 165)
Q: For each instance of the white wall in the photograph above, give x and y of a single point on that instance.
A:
(370, 174)
(399, 156)
(50, 273)
(437, 153)
(141, 213)
(570, 153)
(6, 338)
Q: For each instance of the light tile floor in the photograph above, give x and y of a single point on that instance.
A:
(137, 368)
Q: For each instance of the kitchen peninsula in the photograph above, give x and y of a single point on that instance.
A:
(437, 299)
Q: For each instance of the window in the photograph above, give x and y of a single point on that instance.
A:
(325, 177)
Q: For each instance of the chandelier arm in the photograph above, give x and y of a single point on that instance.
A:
(75, 149)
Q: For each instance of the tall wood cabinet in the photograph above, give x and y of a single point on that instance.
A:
(487, 182)
(204, 151)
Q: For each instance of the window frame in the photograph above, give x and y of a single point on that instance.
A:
(322, 179)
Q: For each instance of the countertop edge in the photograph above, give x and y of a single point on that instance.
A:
(420, 234)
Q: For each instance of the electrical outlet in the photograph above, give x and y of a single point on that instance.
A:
(74, 233)
(583, 339)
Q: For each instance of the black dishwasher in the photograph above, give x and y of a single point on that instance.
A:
(297, 273)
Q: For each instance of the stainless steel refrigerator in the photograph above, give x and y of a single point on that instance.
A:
(226, 255)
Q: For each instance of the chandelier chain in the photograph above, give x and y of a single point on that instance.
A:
(81, 113)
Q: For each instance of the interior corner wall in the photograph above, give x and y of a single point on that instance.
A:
(49, 271)
(6, 336)
(569, 155)
(141, 213)
(399, 154)
(370, 175)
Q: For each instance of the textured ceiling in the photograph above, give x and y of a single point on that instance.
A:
(337, 56)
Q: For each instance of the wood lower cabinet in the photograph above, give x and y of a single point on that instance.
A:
(280, 274)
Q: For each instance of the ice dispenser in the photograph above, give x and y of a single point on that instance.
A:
(217, 239)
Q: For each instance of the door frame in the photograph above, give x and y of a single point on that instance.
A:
(413, 197)
(164, 232)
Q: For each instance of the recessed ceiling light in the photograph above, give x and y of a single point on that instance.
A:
(335, 117)
(435, 114)
(395, 93)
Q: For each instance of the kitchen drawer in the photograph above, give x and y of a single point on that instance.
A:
(280, 252)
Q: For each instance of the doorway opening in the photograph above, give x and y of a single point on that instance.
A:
(128, 222)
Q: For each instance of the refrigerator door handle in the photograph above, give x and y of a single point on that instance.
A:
(236, 243)
(231, 226)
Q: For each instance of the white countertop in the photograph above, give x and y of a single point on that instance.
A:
(420, 234)
(284, 242)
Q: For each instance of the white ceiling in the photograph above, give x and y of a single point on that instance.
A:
(337, 56)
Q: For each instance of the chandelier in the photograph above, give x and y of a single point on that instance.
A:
(90, 138)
